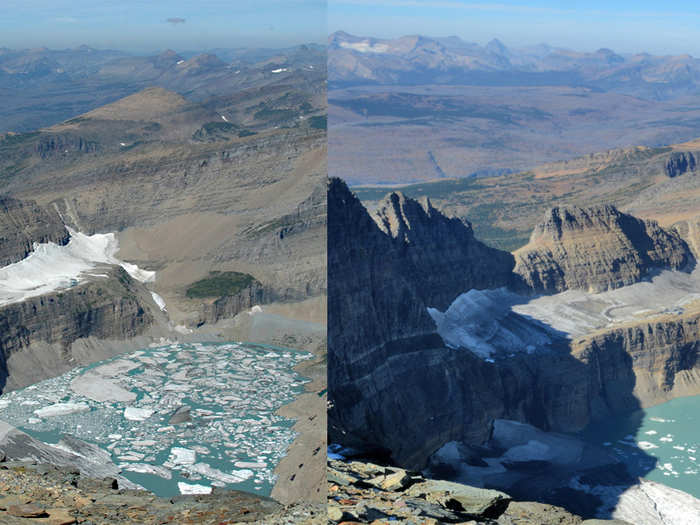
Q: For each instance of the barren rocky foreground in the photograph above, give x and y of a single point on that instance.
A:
(41, 493)
(361, 492)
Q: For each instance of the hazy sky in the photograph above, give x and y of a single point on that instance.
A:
(147, 25)
(623, 25)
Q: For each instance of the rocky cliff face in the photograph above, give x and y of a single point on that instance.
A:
(388, 370)
(680, 162)
(442, 251)
(23, 223)
(596, 249)
(381, 277)
(36, 335)
(61, 144)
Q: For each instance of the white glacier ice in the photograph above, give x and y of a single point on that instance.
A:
(490, 322)
(137, 414)
(160, 302)
(183, 456)
(52, 267)
(193, 488)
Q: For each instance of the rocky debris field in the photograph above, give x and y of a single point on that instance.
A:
(38, 493)
(367, 493)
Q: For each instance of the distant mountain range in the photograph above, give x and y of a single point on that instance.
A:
(42, 87)
(419, 59)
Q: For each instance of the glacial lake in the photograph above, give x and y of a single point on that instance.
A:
(660, 443)
(234, 437)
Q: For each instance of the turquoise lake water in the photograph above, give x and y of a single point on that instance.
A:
(234, 440)
(661, 443)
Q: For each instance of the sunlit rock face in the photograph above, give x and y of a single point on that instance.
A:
(596, 249)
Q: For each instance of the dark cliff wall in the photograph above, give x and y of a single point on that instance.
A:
(116, 307)
(22, 223)
(394, 387)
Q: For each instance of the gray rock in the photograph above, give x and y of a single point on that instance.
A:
(463, 498)
(181, 415)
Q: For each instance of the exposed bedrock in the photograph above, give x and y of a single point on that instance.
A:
(395, 387)
(37, 334)
(23, 223)
(597, 248)
(679, 163)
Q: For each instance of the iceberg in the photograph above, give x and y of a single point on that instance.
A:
(193, 488)
(62, 409)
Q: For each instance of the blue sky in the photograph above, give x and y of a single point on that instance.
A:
(141, 25)
(625, 26)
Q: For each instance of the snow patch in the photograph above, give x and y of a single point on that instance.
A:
(365, 47)
(160, 302)
(51, 267)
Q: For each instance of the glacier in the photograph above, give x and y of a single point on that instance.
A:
(499, 322)
(50, 267)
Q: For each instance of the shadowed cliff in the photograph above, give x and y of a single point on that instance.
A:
(395, 388)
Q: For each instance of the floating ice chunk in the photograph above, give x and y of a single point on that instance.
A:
(255, 310)
(645, 445)
(62, 409)
(250, 464)
(667, 438)
(280, 70)
(183, 456)
(98, 388)
(160, 302)
(144, 443)
(145, 468)
(137, 414)
(651, 432)
(191, 488)
(237, 476)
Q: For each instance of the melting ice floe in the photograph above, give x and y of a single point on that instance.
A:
(233, 391)
(499, 321)
(51, 267)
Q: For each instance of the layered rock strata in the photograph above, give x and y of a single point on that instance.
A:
(596, 249)
(23, 223)
(389, 370)
(36, 335)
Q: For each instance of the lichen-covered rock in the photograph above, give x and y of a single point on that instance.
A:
(596, 249)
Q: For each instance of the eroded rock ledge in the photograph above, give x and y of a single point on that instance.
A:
(363, 492)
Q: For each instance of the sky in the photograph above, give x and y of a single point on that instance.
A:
(622, 25)
(152, 25)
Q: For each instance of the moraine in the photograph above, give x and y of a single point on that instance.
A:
(232, 436)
